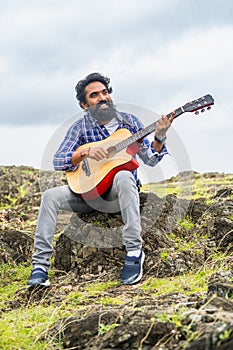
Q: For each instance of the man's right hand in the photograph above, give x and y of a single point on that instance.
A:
(97, 153)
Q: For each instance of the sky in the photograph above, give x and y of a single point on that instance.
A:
(159, 55)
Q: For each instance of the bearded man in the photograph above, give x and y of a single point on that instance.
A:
(100, 120)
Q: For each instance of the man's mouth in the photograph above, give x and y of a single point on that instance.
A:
(103, 105)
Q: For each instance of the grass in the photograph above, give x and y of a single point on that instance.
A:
(187, 284)
(93, 292)
(191, 188)
(13, 278)
(21, 328)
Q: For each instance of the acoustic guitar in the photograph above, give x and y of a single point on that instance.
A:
(92, 178)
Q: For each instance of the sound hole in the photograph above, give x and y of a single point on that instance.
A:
(111, 151)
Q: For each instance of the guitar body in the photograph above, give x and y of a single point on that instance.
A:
(93, 178)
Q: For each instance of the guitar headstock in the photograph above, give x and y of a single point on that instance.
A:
(202, 103)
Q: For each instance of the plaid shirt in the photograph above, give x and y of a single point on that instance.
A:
(86, 130)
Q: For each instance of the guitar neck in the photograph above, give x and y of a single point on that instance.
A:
(144, 132)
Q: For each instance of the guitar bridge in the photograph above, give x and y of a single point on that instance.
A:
(86, 168)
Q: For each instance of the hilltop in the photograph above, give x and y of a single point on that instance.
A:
(184, 300)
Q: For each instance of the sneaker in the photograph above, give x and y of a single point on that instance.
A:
(132, 270)
(38, 278)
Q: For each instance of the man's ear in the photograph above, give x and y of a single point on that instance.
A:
(84, 105)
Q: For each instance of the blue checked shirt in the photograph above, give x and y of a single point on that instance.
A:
(86, 130)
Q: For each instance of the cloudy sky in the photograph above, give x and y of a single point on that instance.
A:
(159, 55)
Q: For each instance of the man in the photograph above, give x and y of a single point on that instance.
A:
(100, 120)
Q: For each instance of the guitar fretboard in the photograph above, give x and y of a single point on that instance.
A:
(143, 132)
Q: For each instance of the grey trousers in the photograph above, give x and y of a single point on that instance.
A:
(123, 196)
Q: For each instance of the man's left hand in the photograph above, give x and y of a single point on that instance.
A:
(163, 125)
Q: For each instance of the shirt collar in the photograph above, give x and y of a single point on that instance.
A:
(90, 119)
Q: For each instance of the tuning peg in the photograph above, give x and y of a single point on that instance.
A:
(197, 112)
(203, 110)
(209, 107)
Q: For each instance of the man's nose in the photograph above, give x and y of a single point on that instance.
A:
(102, 97)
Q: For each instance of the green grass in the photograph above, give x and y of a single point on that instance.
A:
(13, 278)
(22, 328)
(96, 288)
(191, 188)
(188, 284)
(93, 292)
(111, 301)
(175, 318)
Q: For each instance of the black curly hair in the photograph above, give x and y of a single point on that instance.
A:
(80, 87)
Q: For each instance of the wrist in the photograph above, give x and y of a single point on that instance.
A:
(160, 139)
(85, 152)
(79, 155)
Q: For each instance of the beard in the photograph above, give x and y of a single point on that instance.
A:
(103, 114)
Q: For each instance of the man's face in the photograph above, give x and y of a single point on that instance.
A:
(99, 102)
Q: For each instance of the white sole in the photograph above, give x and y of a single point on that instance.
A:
(45, 284)
(141, 273)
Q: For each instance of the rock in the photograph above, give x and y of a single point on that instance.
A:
(102, 233)
(16, 247)
(211, 337)
(223, 193)
(221, 228)
(79, 333)
(221, 284)
(115, 329)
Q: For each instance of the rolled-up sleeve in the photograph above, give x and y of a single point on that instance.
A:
(62, 158)
(148, 155)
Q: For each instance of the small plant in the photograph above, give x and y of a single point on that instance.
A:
(184, 246)
(164, 255)
(225, 335)
(209, 202)
(186, 223)
(171, 235)
(104, 328)
(175, 318)
(22, 191)
(12, 200)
